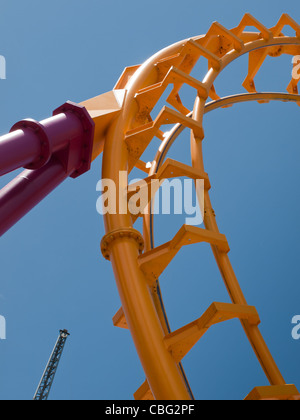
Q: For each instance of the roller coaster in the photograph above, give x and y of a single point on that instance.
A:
(122, 124)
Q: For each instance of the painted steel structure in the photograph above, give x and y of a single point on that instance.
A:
(44, 388)
(122, 124)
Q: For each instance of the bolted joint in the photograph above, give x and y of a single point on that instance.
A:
(39, 130)
(209, 211)
(121, 234)
(79, 152)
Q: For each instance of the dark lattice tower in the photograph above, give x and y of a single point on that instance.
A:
(45, 385)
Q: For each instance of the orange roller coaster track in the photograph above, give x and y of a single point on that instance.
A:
(122, 128)
(159, 349)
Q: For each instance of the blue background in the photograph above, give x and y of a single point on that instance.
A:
(52, 273)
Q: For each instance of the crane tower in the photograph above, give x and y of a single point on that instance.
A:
(44, 388)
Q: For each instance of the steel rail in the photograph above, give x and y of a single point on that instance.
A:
(173, 136)
(163, 373)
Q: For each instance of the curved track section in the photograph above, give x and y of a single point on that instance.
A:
(137, 263)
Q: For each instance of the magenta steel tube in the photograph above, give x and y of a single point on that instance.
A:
(51, 151)
(27, 190)
(17, 150)
(61, 129)
(32, 144)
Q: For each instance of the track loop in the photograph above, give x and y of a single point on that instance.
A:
(137, 127)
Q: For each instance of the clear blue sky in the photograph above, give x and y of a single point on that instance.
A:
(52, 273)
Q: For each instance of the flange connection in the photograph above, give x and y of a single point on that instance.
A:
(46, 146)
(85, 146)
(121, 234)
